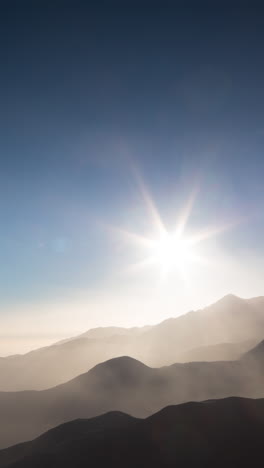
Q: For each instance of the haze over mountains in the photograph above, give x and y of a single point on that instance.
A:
(221, 433)
(222, 331)
(127, 385)
(214, 353)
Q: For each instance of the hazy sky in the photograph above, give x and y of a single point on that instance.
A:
(94, 96)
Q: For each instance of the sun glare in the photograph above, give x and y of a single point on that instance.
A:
(172, 251)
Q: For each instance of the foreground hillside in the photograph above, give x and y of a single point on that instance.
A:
(222, 331)
(127, 385)
(218, 433)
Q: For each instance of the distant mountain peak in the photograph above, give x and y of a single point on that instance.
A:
(227, 302)
(229, 298)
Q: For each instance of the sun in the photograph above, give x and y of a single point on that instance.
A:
(167, 252)
(172, 252)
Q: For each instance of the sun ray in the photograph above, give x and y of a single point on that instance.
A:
(132, 237)
(169, 251)
(211, 232)
(186, 212)
(138, 266)
(149, 203)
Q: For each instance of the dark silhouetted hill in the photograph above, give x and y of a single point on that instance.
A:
(218, 433)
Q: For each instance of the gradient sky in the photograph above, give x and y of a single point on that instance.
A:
(89, 92)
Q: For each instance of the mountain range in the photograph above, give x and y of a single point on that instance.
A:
(222, 331)
(127, 385)
(220, 433)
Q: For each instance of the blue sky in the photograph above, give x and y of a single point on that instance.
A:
(87, 92)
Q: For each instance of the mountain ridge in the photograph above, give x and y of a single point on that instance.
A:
(183, 435)
(127, 385)
(230, 320)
